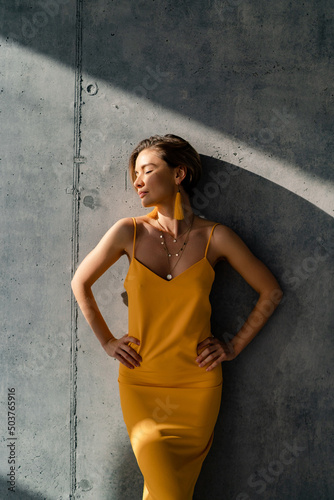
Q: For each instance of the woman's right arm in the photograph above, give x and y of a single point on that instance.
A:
(115, 243)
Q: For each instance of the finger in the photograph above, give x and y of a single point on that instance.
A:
(127, 360)
(216, 354)
(220, 359)
(126, 363)
(130, 356)
(127, 338)
(205, 342)
(207, 348)
(212, 366)
(122, 360)
(132, 353)
(211, 341)
(206, 353)
(208, 359)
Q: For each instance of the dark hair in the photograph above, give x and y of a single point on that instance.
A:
(175, 151)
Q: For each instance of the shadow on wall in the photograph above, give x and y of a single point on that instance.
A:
(257, 71)
(126, 478)
(274, 423)
(18, 493)
(272, 433)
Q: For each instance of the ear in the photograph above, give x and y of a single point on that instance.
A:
(180, 173)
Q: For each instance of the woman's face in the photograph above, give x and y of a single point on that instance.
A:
(155, 180)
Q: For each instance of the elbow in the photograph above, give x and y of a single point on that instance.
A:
(272, 294)
(78, 289)
(276, 295)
(74, 280)
(76, 284)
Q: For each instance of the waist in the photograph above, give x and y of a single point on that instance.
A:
(192, 376)
(168, 343)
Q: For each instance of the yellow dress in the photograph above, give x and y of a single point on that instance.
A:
(170, 405)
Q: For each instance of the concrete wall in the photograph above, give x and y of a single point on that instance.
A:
(250, 85)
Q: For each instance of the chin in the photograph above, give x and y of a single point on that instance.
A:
(147, 204)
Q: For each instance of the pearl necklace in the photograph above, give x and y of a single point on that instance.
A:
(166, 231)
(178, 254)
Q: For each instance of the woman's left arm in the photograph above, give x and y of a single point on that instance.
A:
(227, 245)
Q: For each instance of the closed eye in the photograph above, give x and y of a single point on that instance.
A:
(147, 172)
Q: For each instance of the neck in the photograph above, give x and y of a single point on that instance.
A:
(174, 226)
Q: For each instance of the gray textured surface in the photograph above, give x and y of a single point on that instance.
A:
(36, 230)
(250, 84)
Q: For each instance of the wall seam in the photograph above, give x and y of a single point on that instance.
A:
(75, 243)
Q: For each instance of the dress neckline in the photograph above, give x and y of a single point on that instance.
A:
(134, 259)
(173, 279)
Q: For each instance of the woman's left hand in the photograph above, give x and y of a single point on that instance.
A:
(214, 352)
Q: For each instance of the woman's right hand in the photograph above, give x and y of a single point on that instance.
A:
(120, 349)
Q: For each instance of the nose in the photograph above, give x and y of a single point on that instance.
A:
(138, 182)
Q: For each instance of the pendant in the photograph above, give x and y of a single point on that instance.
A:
(169, 277)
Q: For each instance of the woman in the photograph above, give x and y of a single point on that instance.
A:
(170, 374)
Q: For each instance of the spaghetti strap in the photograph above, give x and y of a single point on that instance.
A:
(134, 237)
(207, 246)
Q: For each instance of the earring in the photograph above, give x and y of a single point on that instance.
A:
(178, 210)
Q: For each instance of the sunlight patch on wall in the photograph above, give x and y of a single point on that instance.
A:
(116, 120)
(129, 117)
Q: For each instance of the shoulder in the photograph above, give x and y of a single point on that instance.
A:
(224, 242)
(123, 230)
(228, 245)
(120, 233)
(224, 236)
(219, 230)
(223, 233)
(123, 226)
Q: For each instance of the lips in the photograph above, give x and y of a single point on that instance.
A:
(142, 193)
